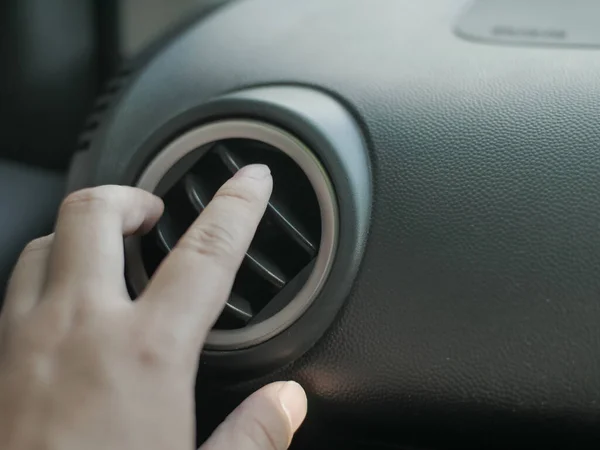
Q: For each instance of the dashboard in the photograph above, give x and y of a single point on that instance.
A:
(443, 155)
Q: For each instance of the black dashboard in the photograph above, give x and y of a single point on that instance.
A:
(460, 141)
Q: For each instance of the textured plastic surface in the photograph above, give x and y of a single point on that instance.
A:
(475, 316)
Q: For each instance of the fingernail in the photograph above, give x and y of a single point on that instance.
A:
(255, 171)
(293, 401)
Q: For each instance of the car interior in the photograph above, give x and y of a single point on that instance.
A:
(428, 267)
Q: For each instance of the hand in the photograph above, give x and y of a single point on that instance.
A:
(84, 367)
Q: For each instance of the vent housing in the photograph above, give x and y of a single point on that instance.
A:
(291, 253)
(286, 242)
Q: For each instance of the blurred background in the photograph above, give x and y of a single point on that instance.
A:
(143, 21)
(58, 55)
(60, 59)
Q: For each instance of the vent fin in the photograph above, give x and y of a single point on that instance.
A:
(285, 296)
(165, 234)
(239, 308)
(275, 209)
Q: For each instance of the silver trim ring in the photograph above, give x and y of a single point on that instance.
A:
(297, 151)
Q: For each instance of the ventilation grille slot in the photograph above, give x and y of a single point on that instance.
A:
(103, 102)
(282, 254)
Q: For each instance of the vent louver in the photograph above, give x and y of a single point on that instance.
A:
(291, 255)
(281, 255)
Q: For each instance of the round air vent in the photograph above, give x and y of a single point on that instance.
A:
(308, 249)
(291, 254)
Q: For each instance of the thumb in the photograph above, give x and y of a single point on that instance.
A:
(267, 420)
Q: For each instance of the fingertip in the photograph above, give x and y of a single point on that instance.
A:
(255, 179)
(154, 210)
(154, 203)
(254, 171)
(294, 402)
(267, 419)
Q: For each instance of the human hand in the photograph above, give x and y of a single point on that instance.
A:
(84, 367)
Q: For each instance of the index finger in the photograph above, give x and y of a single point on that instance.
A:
(190, 288)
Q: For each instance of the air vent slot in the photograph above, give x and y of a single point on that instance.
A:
(282, 254)
(103, 102)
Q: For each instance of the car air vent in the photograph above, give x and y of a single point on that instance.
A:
(286, 242)
(288, 259)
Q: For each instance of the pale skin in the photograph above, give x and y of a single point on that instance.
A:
(84, 367)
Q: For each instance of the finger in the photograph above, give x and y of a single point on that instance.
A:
(192, 285)
(28, 278)
(267, 420)
(87, 254)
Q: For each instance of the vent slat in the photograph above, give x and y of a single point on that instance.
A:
(165, 235)
(285, 296)
(255, 259)
(291, 226)
(239, 308)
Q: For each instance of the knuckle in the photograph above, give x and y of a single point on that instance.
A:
(42, 330)
(85, 310)
(152, 356)
(154, 348)
(37, 245)
(239, 193)
(97, 197)
(210, 239)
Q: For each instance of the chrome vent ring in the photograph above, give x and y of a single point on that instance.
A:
(171, 165)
